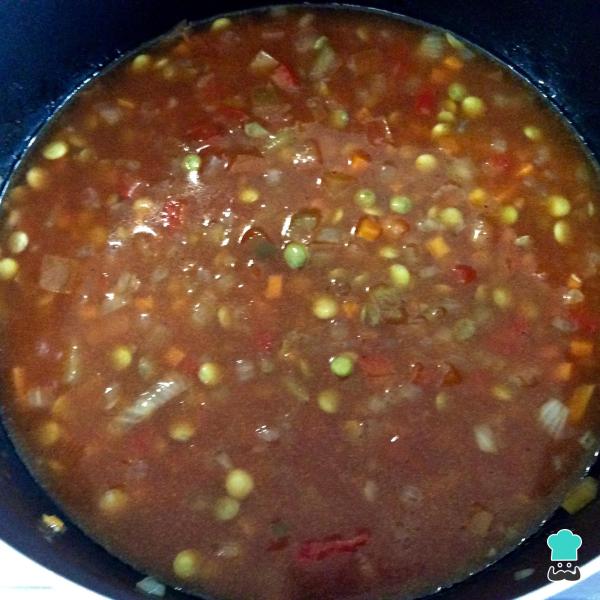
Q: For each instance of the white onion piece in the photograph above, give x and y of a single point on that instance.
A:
(152, 587)
(40, 397)
(267, 434)
(485, 438)
(553, 417)
(121, 294)
(147, 403)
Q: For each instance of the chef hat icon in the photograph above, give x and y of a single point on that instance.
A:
(564, 545)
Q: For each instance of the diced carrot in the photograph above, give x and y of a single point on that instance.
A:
(145, 303)
(359, 162)
(453, 63)
(563, 371)
(448, 144)
(578, 402)
(182, 49)
(18, 376)
(437, 246)
(550, 352)
(274, 287)
(525, 170)
(87, 312)
(179, 305)
(581, 348)
(350, 309)
(426, 98)
(60, 408)
(363, 115)
(574, 281)
(439, 76)
(376, 365)
(174, 355)
(368, 228)
(507, 193)
(125, 103)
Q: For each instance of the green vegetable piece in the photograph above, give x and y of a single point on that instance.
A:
(342, 365)
(210, 374)
(191, 162)
(401, 204)
(295, 255)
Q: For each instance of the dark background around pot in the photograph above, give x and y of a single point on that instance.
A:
(48, 47)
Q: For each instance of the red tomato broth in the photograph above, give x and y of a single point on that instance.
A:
(442, 285)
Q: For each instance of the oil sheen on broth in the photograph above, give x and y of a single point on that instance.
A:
(304, 305)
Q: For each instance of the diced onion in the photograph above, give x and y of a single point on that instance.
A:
(485, 439)
(553, 417)
(167, 388)
(152, 587)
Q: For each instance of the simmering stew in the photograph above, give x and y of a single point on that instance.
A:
(304, 305)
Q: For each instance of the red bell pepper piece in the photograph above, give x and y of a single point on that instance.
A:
(265, 341)
(172, 213)
(316, 550)
(425, 102)
(464, 273)
(376, 365)
(285, 79)
(586, 321)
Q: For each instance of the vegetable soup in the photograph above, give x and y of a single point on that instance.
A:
(305, 305)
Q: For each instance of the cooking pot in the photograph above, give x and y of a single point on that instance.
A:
(50, 47)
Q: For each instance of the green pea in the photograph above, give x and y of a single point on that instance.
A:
(18, 242)
(325, 307)
(226, 508)
(339, 118)
(210, 374)
(509, 214)
(401, 204)
(342, 365)
(191, 162)
(365, 198)
(239, 484)
(121, 357)
(400, 275)
(451, 217)
(295, 255)
(502, 297)
(558, 206)
(186, 564)
(473, 107)
(457, 92)
(329, 401)
(9, 268)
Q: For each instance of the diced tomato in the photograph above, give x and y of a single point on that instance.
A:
(464, 273)
(378, 131)
(500, 164)
(230, 117)
(127, 186)
(315, 550)
(509, 339)
(450, 374)
(376, 365)
(265, 341)
(586, 321)
(189, 365)
(139, 443)
(425, 102)
(278, 544)
(285, 79)
(172, 213)
(206, 131)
